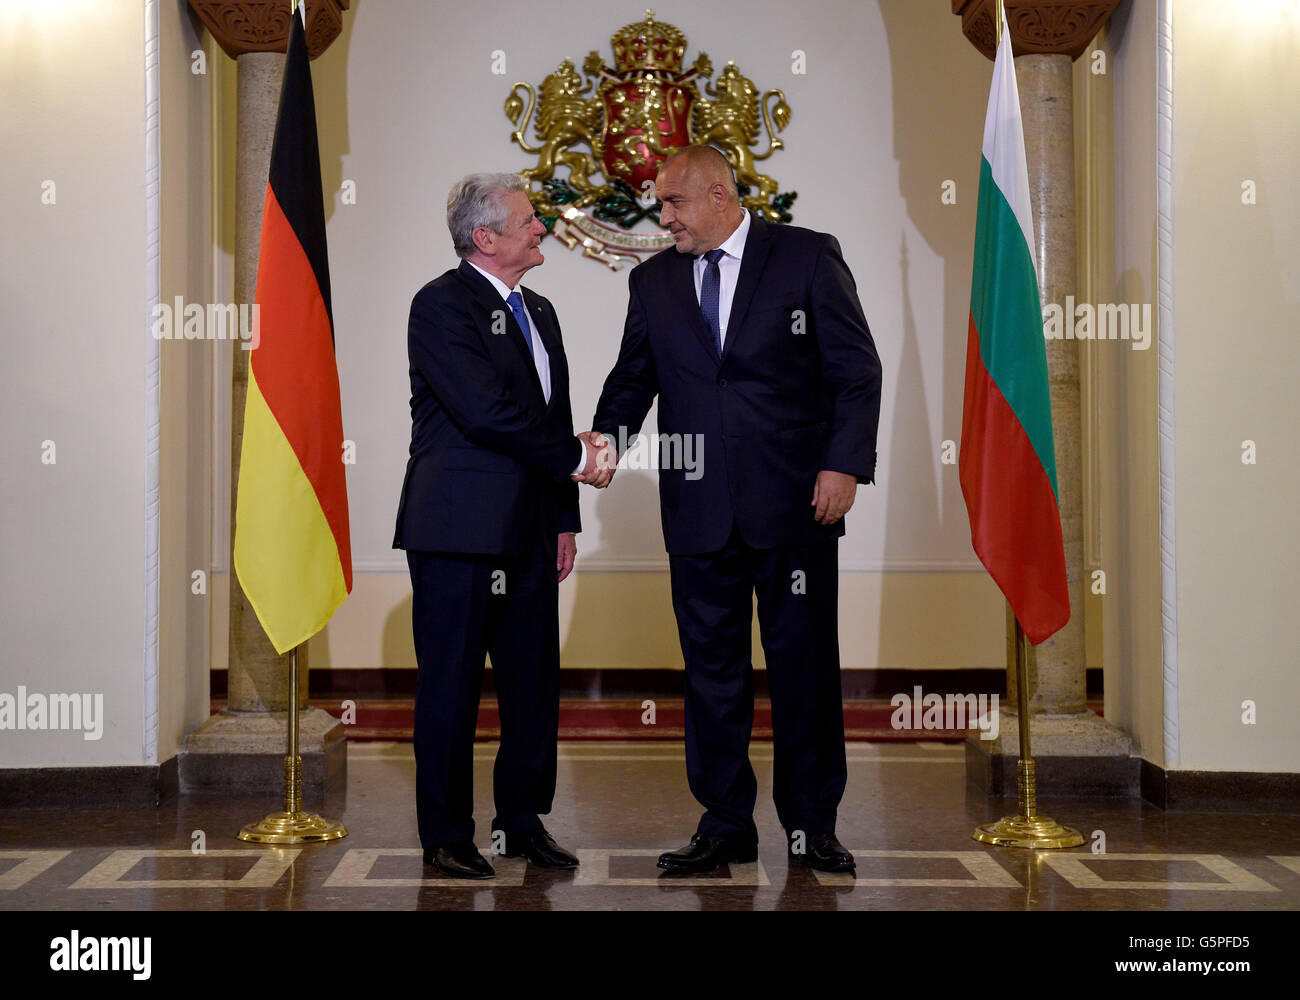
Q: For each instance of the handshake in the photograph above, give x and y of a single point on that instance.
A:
(601, 460)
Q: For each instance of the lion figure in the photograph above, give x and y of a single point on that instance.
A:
(564, 118)
(731, 123)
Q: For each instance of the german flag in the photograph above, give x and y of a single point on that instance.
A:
(292, 548)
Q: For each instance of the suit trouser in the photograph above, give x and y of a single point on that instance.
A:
(797, 590)
(466, 606)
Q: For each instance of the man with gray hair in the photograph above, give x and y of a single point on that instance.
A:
(487, 516)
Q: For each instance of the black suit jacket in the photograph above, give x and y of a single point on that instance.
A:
(490, 459)
(796, 391)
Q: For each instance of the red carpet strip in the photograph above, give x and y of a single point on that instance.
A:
(584, 719)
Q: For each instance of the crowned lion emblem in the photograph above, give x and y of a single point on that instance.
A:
(612, 128)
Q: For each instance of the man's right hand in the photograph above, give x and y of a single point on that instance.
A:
(602, 460)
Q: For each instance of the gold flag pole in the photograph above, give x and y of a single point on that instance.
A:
(1027, 829)
(293, 826)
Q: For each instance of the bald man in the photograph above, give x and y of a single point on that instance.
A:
(752, 338)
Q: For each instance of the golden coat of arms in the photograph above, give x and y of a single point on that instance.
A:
(631, 117)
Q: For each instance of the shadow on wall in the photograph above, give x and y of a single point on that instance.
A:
(635, 627)
(601, 633)
(1135, 529)
(910, 499)
(940, 89)
(329, 80)
(397, 645)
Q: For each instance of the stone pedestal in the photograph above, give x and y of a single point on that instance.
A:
(1079, 755)
(243, 753)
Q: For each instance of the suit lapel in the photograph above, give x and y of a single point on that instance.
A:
(488, 297)
(681, 279)
(757, 246)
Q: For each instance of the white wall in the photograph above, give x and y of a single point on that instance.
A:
(189, 375)
(74, 329)
(1237, 317)
(890, 107)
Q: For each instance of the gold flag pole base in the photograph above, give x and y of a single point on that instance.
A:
(1026, 829)
(293, 828)
(1034, 832)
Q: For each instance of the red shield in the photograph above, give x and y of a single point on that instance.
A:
(647, 116)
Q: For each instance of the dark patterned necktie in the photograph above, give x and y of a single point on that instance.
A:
(710, 292)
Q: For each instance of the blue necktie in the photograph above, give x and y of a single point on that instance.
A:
(516, 303)
(710, 292)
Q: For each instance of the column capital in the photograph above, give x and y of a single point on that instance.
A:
(1064, 27)
(241, 26)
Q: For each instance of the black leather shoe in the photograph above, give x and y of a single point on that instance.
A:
(540, 848)
(824, 852)
(705, 854)
(459, 861)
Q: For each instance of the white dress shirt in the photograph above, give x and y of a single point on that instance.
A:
(541, 359)
(729, 270)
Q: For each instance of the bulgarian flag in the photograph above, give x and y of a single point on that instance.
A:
(1007, 463)
(292, 549)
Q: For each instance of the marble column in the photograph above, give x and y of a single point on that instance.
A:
(258, 676)
(1046, 84)
(242, 748)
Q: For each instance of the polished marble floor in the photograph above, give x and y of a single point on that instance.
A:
(907, 815)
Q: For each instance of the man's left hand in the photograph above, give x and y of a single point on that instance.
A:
(565, 551)
(833, 495)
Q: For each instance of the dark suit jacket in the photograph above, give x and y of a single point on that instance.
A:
(779, 405)
(490, 459)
